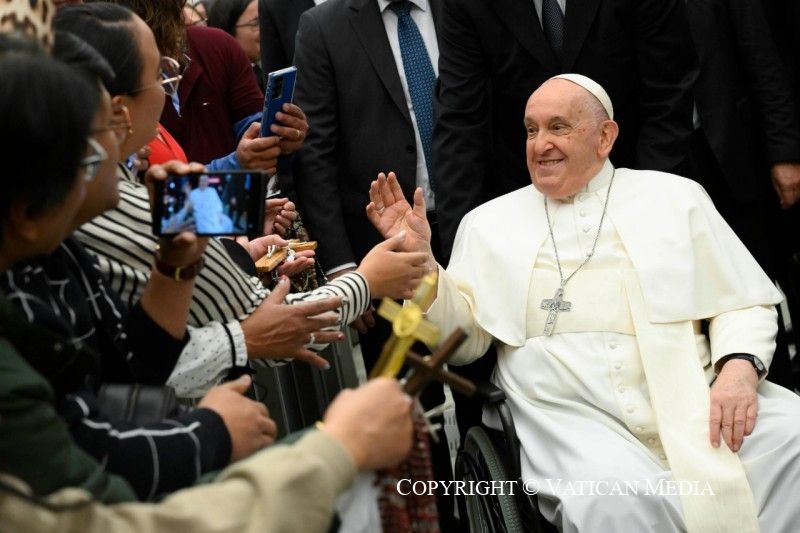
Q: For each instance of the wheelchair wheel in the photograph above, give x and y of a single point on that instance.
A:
(479, 461)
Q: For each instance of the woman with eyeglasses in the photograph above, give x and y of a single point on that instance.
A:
(239, 18)
(66, 293)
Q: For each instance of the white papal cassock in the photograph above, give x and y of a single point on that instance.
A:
(616, 400)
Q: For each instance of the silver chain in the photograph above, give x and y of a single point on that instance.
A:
(596, 237)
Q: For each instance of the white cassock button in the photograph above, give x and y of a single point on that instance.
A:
(613, 345)
(630, 409)
(582, 212)
(618, 365)
(581, 197)
(586, 228)
(662, 457)
(620, 389)
(651, 440)
(640, 429)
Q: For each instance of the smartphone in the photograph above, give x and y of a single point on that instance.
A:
(209, 204)
(279, 91)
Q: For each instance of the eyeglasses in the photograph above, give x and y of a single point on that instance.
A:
(91, 162)
(252, 24)
(170, 76)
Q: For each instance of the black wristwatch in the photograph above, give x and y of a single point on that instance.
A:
(755, 361)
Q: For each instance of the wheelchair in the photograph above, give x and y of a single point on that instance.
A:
(494, 455)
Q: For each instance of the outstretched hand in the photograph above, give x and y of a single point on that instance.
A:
(390, 213)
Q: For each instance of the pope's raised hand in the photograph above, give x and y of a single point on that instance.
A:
(390, 213)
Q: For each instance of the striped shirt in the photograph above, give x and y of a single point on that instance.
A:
(224, 294)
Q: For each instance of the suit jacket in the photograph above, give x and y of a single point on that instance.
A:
(279, 20)
(349, 87)
(743, 94)
(494, 55)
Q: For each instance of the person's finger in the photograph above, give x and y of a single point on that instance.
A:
(752, 414)
(374, 194)
(714, 422)
(387, 196)
(293, 109)
(420, 208)
(727, 425)
(262, 409)
(739, 420)
(307, 356)
(280, 291)
(327, 337)
(239, 385)
(263, 144)
(319, 322)
(276, 203)
(283, 221)
(394, 188)
(252, 132)
(369, 319)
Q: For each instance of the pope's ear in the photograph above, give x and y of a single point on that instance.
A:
(609, 131)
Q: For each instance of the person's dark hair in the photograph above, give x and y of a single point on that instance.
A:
(224, 14)
(47, 109)
(108, 28)
(75, 52)
(165, 18)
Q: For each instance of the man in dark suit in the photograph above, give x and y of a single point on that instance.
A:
(366, 81)
(495, 54)
(279, 19)
(746, 144)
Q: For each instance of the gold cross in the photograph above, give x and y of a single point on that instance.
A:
(408, 326)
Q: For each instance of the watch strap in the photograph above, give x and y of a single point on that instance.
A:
(180, 273)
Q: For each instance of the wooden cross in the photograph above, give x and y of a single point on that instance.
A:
(408, 326)
(554, 305)
(429, 368)
(276, 256)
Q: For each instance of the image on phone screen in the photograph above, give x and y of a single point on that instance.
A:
(210, 204)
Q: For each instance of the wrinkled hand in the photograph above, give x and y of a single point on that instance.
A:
(186, 247)
(279, 215)
(390, 213)
(734, 404)
(363, 323)
(392, 273)
(297, 263)
(292, 128)
(276, 330)
(373, 422)
(258, 153)
(786, 180)
(247, 421)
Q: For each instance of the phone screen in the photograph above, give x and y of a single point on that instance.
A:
(226, 203)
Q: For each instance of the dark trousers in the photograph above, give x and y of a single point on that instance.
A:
(756, 222)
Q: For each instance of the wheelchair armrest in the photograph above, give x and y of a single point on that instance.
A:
(490, 393)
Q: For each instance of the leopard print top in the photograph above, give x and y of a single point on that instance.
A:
(33, 18)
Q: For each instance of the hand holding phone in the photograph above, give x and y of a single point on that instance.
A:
(279, 91)
(210, 204)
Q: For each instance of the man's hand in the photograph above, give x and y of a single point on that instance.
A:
(247, 421)
(279, 215)
(390, 213)
(734, 404)
(292, 128)
(258, 153)
(363, 323)
(392, 273)
(786, 180)
(373, 422)
(276, 330)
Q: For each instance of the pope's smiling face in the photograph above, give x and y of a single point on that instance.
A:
(568, 141)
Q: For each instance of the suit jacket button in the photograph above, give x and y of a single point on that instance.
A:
(410, 148)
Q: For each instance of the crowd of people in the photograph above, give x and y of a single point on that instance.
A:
(608, 191)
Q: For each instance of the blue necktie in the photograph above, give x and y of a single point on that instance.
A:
(553, 25)
(420, 76)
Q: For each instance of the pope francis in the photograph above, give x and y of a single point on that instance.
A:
(634, 331)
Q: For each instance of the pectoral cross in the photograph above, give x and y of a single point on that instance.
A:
(408, 326)
(554, 305)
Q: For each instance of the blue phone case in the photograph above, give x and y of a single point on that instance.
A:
(280, 90)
